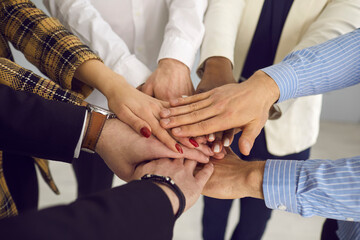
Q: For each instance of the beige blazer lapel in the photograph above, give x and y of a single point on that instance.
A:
(300, 17)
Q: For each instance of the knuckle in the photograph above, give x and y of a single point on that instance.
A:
(203, 125)
(153, 105)
(193, 106)
(122, 109)
(194, 114)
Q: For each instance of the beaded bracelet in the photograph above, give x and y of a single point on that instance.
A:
(167, 181)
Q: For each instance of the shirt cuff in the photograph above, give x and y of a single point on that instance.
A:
(279, 185)
(133, 70)
(78, 145)
(285, 77)
(179, 49)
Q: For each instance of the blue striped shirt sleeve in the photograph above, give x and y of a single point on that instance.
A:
(332, 65)
(328, 188)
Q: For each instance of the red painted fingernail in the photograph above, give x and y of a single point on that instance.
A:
(193, 142)
(179, 148)
(145, 132)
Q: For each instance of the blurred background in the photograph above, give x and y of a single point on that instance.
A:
(339, 137)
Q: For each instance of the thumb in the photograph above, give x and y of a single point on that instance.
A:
(204, 174)
(247, 138)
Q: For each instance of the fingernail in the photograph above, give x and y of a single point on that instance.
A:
(193, 142)
(165, 112)
(165, 121)
(211, 137)
(145, 132)
(176, 130)
(175, 101)
(184, 96)
(179, 148)
(226, 142)
(217, 148)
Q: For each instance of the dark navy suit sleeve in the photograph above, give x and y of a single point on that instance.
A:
(137, 210)
(31, 125)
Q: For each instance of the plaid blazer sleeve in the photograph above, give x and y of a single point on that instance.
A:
(45, 43)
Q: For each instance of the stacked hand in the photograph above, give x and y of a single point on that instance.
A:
(234, 178)
(217, 71)
(170, 80)
(182, 173)
(123, 149)
(245, 106)
(140, 111)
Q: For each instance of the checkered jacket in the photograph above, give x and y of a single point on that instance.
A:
(55, 52)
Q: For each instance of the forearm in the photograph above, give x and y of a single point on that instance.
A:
(138, 210)
(96, 74)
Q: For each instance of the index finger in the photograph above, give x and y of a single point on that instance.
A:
(215, 124)
(187, 100)
(191, 107)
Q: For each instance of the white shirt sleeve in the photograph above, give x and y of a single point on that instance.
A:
(78, 145)
(80, 17)
(222, 21)
(184, 31)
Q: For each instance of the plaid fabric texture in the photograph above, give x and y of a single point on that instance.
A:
(51, 48)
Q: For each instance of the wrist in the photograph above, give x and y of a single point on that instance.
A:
(100, 146)
(95, 74)
(170, 63)
(214, 64)
(271, 88)
(174, 200)
(217, 72)
(95, 123)
(254, 179)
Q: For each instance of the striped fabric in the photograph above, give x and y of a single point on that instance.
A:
(326, 67)
(328, 188)
(51, 48)
(348, 230)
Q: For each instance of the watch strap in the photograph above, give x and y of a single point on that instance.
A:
(93, 131)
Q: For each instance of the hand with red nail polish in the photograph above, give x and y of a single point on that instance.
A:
(122, 149)
(140, 111)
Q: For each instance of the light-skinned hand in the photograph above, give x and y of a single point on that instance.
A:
(122, 149)
(245, 106)
(171, 79)
(131, 106)
(235, 178)
(182, 173)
